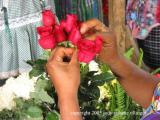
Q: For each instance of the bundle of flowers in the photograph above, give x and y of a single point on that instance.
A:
(68, 32)
(31, 95)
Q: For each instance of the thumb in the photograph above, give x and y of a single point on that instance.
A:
(74, 58)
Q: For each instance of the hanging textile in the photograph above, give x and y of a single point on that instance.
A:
(105, 11)
(18, 37)
(85, 9)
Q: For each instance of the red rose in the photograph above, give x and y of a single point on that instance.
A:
(48, 18)
(47, 42)
(75, 36)
(63, 24)
(44, 31)
(85, 57)
(99, 43)
(59, 34)
(158, 75)
(70, 23)
(87, 49)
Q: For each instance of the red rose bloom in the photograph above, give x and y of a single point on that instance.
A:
(48, 18)
(158, 75)
(59, 34)
(44, 31)
(87, 49)
(70, 23)
(47, 42)
(75, 36)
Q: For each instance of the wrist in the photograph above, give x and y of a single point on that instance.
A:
(65, 97)
(115, 60)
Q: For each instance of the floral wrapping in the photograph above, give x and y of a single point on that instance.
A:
(142, 16)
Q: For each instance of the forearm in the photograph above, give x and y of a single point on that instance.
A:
(137, 83)
(69, 108)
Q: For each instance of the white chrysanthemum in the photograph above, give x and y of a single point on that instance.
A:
(93, 66)
(6, 98)
(22, 86)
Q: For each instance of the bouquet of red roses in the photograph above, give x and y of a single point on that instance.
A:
(53, 34)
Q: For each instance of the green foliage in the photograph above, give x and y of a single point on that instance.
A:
(34, 112)
(129, 53)
(38, 67)
(43, 105)
(52, 116)
(8, 115)
(140, 58)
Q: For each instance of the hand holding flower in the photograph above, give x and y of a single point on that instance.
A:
(65, 75)
(93, 28)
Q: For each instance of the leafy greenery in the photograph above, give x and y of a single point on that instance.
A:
(94, 104)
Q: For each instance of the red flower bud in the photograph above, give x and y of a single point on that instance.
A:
(47, 42)
(87, 49)
(44, 31)
(59, 34)
(75, 36)
(48, 18)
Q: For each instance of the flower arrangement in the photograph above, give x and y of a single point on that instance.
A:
(31, 95)
(68, 32)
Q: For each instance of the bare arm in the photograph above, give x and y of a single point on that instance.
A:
(66, 79)
(137, 83)
(69, 108)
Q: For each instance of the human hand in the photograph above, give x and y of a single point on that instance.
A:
(64, 75)
(109, 53)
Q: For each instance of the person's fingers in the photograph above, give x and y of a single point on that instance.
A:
(58, 55)
(93, 24)
(74, 58)
(51, 55)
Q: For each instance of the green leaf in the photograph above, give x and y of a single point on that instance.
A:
(42, 96)
(42, 83)
(156, 71)
(34, 112)
(53, 116)
(129, 53)
(140, 58)
(40, 62)
(30, 62)
(101, 79)
(35, 72)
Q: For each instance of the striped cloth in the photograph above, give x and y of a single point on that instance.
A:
(151, 48)
(18, 40)
(85, 9)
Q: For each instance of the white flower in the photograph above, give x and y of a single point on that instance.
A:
(21, 87)
(6, 98)
(93, 66)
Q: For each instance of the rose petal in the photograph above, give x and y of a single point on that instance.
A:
(44, 31)
(71, 21)
(47, 42)
(86, 58)
(48, 18)
(59, 34)
(158, 75)
(63, 24)
(86, 45)
(75, 36)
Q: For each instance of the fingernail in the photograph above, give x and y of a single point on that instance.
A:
(59, 59)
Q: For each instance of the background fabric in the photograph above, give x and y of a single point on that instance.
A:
(85, 9)
(19, 43)
(141, 17)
